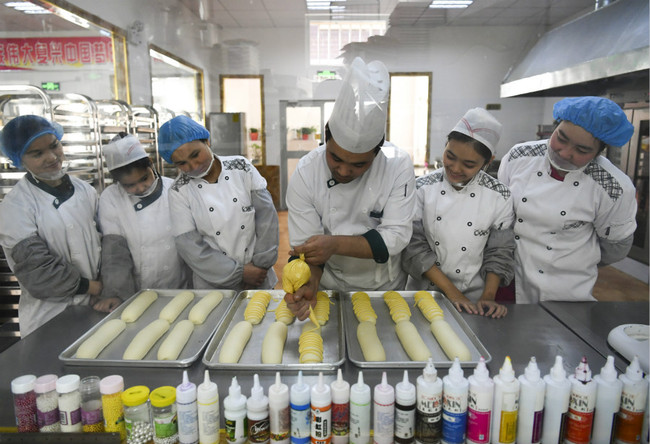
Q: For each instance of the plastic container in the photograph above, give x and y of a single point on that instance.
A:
(405, 400)
(480, 397)
(428, 413)
(165, 419)
(360, 412)
(383, 412)
(207, 398)
(47, 404)
(454, 405)
(504, 410)
(138, 417)
(22, 389)
(581, 405)
(531, 405)
(300, 405)
(279, 412)
(257, 407)
(629, 423)
(556, 402)
(340, 409)
(188, 412)
(92, 419)
(234, 414)
(608, 401)
(67, 388)
(321, 412)
(111, 388)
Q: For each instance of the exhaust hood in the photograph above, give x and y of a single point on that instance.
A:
(604, 50)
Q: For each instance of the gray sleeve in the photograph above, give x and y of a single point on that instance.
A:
(210, 264)
(118, 269)
(499, 255)
(418, 257)
(613, 251)
(267, 231)
(44, 275)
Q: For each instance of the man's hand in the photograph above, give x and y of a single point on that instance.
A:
(107, 305)
(305, 296)
(317, 250)
(491, 309)
(253, 276)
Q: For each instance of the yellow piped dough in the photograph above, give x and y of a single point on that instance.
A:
(235, 342)
(371, 346)
(449, 341)
(363, 308)
(399, 309)
(145, 339)
(135, 309)
(283, 313)
(174, 307)
(428, 305)
(256, 307)
(93, 346)
(310, 345)
(273, 344)
(412, 342)
(175, 341)
(201, 310)
(322, 308)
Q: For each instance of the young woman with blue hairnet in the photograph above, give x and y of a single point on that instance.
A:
(223, 218)
(47, 225)
(574, 210)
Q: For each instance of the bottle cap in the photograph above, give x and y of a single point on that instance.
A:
(23, 384)
(583, 374)
(405, 391)
(207, 392)
(360, 391)
(532, 370)
(557, 371)
(257, 400)
(135, 395)
(278, 393)
(456, 374)
(481, 372)
(68, 383)
(430, 373)
(633, 371)
(45, 383)
(320, 393)
(300, 392)
(384, 393)
(89, 384)
(235, 399)
(163, 396)
(608, 372)
(506, 372)
(186, 392)
(340, 390)
(111, 384)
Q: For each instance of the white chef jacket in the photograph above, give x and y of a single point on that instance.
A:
(223, 213)
(559, 223)
(457, 225)
(147, 227)
(69, 230)
(382, 199)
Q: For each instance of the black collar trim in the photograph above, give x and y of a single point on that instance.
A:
(148, 200)
(61, 193)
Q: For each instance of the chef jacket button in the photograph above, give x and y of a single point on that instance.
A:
(438, 218)
(218, 233)
(549, 248)
(167, 247)
(56, 201)
(227, 178)
(139, 206)
(242, 227)
(539, 174)
(472, 194)
(71, 226)
(169, 228)
(437, 263)
(235, 199)
(165, 268)
(457, 271)
(520, 220)
(245, 249)
(211, 209)
(469, 224)
(541, 271)
(463, 248)
(552, 232)
(443, 192)
(332, 210)
(563, 213)
(224, 253)
(524, 199)
(437, 243)
(576, 183)
(517, 237)
(200, 186)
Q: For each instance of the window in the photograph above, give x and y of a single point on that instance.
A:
(327, 38)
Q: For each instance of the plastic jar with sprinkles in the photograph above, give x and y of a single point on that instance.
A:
(22, 388)
(165, 420)
(69, 403)
(47, 404)
(111, 388)
(137, 415)
(92, 419)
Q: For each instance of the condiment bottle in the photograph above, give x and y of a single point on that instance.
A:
(67, 388)
(383, 412)
(608, 401)
(405, 400)
(556, 402)
(581, 405)
(480, 397)
(279, 413)
(92, 419)
(359, 412)
(207, 398)
(321, 412)
(137, 415)
(259, 429)
(234, 414)
(47, 404)
(300, 412)
(506, 404)
(22, 388)
(531, 405)
(645, 433)
(188, 414)
(111, 388)
(633, 401)
(340, 409)
(454, 405)
(428, 413)
(165, 418)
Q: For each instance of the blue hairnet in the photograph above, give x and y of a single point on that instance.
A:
(20, 132)
(604, 119)
(176, 132)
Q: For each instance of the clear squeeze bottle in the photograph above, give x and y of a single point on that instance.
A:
(405, 401)
(257, 406)
(300, 411)
(454, 405)
(581, 405)
(428, 412)
(207, 398)
(234, 414)
(633, 401)
(340, 410)
(479, 404)
(188, 412)
(531, 405)
(645, 434)
(279, 413)
(556, 402)
(506, 405)
(360, 412)
(384, 412)
(608, 401)
(321, 412)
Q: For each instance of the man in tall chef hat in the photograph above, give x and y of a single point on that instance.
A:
(351, 200)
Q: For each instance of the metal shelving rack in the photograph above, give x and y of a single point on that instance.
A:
(114, 116)
(144, 125)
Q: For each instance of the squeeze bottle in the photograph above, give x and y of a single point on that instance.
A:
(556, 402)
(405, 400)
(479, 404)
(321, 412)
(428, 413)
(359, 412)
(384, 412)
(234, 414)
(531, 405)
(454, 405)
(633, 401)
(300, 412)
(581, 405)
(608, 401)
(279, 414)
(207, 397)
(645, 434)
(340, 410)
(187, 410)
(257, 407)
(506, 405)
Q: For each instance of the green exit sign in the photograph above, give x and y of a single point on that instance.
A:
(50, 86)
(326, 74)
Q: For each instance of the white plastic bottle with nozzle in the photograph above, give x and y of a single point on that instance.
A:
(479, 404)
(279, 412)
(257, 412)
(383, 423)
(405, 400)
(608, 401)
(207, 396)
(234, 414)
(531, 405)
(645, 434)
(556, 402)
(300, 411)
(629, 423)
(321, 412)
(360, 412)
(187, 411)
(506, 405)
(340, 409)
(428, 412)
(454, 405)
(582, 402)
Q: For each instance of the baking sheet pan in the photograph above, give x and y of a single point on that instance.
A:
(112, 354)
(251, 358)
(395, 354)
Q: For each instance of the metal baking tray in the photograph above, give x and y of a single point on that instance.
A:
(251, 358)
(112, 354)
(395, 354)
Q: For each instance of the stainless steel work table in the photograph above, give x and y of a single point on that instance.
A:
(528, 330)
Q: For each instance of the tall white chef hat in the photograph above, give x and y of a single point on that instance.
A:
(358, 120)
(479, 124)
(122, 151)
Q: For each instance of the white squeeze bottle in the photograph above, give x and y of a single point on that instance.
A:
(608, 401)
(340, 409)
(645, 434)
(556, 402)
(454, 405)
(321, 412)
(479, 404)
(234, 414)
(207, 396)
(581, 405)
(257, 412)
(405, 400)
(506, 405)
(300, 412)
(531, 405)
(633, 402)
(384, 412)
(360, 412)
(187, 411)
(428, 412)
(279, 412)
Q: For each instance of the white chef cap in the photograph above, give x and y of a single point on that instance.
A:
(479, 124)
(358, 120)
(123, 151)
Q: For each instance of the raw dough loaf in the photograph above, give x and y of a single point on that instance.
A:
(273, 344)
(174, 307)
(204, 307)
(135, 309)
(235, 342)
(175, 341)
(145, 339)
(451, 344)
(369, 341)
(412, 342)
(93, 346)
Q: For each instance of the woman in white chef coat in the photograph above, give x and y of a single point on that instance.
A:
(47, 225)
(223, 219)
(574, 209)
(463, 243)
(138, 249)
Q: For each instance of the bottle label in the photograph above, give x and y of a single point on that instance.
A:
(165, 426)
(359, 423)
(300, 424)
(629, 426)
(578, 428)
(340, 419)
(508, 426)
(478, 426)
(208, 420)
(404, 422)
(384, 422)
(321, 424)
(47, 418)
(453, 427)
(91, 417)
(70, 418)
(259, 430)
(538, 420)
(236, 429)
(428, 427)
(280, 425)
(429, 404)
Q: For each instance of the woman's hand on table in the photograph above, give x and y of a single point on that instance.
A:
(491, 309)
(107, 305)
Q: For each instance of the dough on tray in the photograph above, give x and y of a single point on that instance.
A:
(449, 341)
(371, 346)
(93, 346)
(273, 344)
(234, 344)
(145, 339)
(174, 307)
(412, 342)
(138, 306)
(256, 307)
(203, 308)
(175, 341)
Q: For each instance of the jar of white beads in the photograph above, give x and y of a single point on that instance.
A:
(137, 415)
